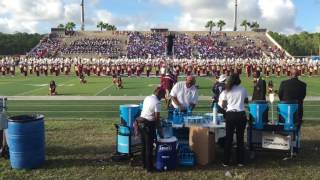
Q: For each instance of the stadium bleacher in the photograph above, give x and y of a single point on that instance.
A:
(195, 45)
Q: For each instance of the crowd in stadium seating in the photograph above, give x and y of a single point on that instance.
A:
(107, 47)
(146, 45)
(47, 47)
(182, 46)
(153, 45)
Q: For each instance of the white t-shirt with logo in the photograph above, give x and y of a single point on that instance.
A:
(235, 98)
(151, 105)
(185, 96)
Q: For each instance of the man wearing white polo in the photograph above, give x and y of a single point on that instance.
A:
(149, 120)
(184, 94)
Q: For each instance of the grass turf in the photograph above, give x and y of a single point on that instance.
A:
(82, 150)
(110, 109)
(102, 86)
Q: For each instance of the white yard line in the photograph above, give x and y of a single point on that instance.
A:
(103, 90)
(210, 79)
(33, 90)
(37, 89)
(109, 98)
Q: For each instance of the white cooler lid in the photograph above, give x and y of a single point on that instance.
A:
(168, 140)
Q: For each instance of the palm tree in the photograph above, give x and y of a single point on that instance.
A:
(220, 24)
(70, 26)
(245, 24)
(254, 25)
(210, 24)
(111, 28)
(101, 25)
(60, 26)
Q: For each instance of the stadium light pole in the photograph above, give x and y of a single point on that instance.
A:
(82, 15)
(235, 15)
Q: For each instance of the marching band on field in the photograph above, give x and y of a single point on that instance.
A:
(148, 67)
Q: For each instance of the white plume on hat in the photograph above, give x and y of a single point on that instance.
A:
(222, 78)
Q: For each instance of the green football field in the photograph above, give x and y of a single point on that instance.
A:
(102, 86)
(109, 110)
(80, 135)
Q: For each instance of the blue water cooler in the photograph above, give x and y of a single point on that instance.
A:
(258, 111)
(128, 113)
(166, 154)
(288, 114)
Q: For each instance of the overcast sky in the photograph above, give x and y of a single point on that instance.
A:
(285, 16)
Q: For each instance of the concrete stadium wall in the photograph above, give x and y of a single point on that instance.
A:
(277, 44)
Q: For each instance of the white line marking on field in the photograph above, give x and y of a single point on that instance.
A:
(210, 79)
(151, 85)
(37, 85)
(103, 90)
(66, 85)
(33, 90)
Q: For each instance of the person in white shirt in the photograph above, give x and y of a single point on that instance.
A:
(232, 99)
(184, 94)
(148, 121)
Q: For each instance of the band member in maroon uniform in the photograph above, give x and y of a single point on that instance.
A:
(45, 69)
(148, 70)
(12, 70)
(167, 82)
(52, 88)
(82, 79)
(25, 70)
(56, 69)
(37, 70)
(119, 82)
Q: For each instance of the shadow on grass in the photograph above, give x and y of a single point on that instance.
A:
(99, 156)
(78, 151)
(308, 157)
(62, 157)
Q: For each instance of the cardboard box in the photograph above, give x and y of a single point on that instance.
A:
(202, 143)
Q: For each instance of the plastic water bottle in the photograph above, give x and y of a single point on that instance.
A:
(189, 111)
(214, 113)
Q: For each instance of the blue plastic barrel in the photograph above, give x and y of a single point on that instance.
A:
(288, 110)
(257, 109)
(128, 113)
(166, 154)
(26, 141)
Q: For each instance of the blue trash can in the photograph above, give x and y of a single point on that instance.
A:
(258, 111)
(288, 113)
(128, 114)
(26, 141)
